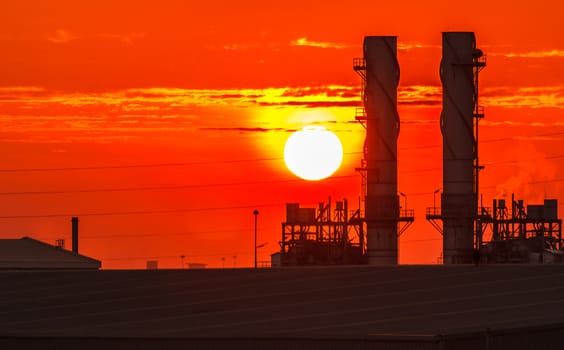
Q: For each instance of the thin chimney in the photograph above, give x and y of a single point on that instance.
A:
(74, 221)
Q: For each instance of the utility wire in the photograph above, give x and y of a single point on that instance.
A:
(140, 212)
(158, 235)
(160, 165)
(248, 183)
(180, 164)
(130, 166)
(157, 188)
(545, 181)
(156, 165)
(421, 240)
(173, 256)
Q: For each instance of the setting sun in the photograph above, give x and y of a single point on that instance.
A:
(313, 153)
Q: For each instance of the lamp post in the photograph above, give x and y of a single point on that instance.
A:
(260, 246)
(435, 200)
(405, 197)
(256, 213)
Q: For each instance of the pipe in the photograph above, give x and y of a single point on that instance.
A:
(74, 222)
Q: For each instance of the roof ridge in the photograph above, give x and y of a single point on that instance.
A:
(64, 251)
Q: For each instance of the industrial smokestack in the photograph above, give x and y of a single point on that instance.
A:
(74, 221)
(382, 130)
(459, 147)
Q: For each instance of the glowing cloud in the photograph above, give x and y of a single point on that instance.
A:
(126, 38)
(322, 44)
(532, 97)
(531, 54)
(60, 36)
(416, 45)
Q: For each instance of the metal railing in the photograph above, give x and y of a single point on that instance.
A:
(433, 211)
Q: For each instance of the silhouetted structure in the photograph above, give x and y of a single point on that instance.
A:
(74, 222)
(313, 236)
(513, 233)
(471, 232)
(459, 64)
(383, 216)
(379, 70)
(30, 254)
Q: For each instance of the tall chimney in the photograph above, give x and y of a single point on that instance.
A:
(459, 147)
(382, 130)
(74, 221)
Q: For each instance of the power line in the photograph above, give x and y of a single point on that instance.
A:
(140, 212)
(156, 165)
(222, 254)
(180, 164)
(177, 164)
(158, 235)
(248, 183)
(422, 170)
(173, 256)
(157, 188)
(501, 139)
(545, 181)
(421, 240)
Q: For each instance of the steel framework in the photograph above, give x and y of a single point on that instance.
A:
(318, 236)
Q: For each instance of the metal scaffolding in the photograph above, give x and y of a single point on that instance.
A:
(320, 236)
(513, 232)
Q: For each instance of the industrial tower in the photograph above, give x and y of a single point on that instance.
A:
(471, 232)
(379, 70)
(459, 70)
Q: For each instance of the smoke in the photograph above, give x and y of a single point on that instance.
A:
(532, 179)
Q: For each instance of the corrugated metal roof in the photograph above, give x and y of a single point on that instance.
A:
(312, 303)
(28, 253)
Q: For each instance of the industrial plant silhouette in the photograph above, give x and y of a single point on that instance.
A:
(506, 232)
(370, 304)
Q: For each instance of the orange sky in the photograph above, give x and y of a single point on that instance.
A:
(180, 110)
